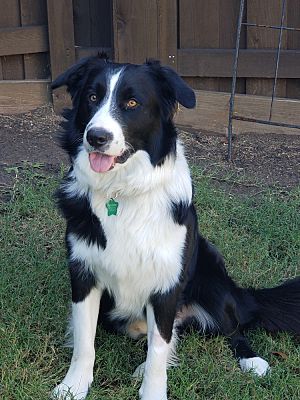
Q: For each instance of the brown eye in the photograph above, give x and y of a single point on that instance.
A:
(131, 103)
(93, 97)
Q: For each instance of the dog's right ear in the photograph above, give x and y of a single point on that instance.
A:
(73, 76)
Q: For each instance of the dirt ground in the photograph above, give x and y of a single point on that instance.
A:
(258, 160)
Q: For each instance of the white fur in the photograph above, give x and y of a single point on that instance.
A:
(204, 319)
(80, 373)
(257, 365)
(154, 385)
(135, 177)
(105, 119)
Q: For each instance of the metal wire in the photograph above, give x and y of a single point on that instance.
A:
(285, 28)
(234, 75)
(277, 58)
(265, 122)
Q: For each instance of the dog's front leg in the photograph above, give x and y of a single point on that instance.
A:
(85, 308)
(160, 322)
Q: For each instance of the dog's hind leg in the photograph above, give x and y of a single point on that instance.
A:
(248, 359)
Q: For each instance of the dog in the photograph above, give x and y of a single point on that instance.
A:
(133, 245)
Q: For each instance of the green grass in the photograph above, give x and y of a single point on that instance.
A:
(259, 238)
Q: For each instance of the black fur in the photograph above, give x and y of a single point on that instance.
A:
(82, 281)
(165, 306)
(80, 218)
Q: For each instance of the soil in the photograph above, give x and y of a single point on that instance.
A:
(259, 161)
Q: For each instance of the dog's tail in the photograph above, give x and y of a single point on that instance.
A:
(278, 308)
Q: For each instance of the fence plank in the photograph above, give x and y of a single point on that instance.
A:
(101, 33)
(211, 113)
(61, 42)
(229, 11)
(34, 12)
(134, 41)
(199, 27)
(167, 32)
(264, 12)
(252, 63)
(23, 40)
(82, 27)
(22, 96)
(12, 66)
(293, 42)
(81, 51)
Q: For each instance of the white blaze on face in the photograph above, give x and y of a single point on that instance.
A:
(105, 119)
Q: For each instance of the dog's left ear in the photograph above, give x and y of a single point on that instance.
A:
(184, 94)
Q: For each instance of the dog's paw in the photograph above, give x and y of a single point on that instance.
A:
(257, 365)
(64, 392)
(75, 386)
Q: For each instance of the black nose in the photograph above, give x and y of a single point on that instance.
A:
(98, 137)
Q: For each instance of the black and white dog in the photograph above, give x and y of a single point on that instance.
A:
(132, 235)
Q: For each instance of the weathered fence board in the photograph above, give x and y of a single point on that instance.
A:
(133, 40)
(62, 48)
(22, 96)
(211, 113)
(23, 40)
(265, 12)
(255, 63)
(12, 66)
(195, 37)
(36, 65)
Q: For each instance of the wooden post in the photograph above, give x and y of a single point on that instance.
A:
(167, 32)
(265, 12)
(145, 29)
(61, 43)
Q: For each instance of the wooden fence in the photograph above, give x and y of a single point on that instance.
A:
(41, 38)
(24, 54)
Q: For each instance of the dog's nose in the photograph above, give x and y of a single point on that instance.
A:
(98, 137)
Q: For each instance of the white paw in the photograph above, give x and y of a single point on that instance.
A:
(139, 372)
(64, 392)
(76, 384)
(255, 364)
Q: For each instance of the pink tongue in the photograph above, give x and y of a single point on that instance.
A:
(100, 162)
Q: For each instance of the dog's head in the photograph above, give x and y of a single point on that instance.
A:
(119, 109)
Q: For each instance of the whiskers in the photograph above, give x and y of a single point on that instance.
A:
(129, 147)
(129, 150)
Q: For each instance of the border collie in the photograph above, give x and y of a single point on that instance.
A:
(134, 250)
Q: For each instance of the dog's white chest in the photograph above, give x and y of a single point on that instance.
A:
(143, 250)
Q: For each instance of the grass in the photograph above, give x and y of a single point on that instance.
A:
(260, 240)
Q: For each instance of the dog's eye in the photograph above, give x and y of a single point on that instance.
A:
(93, 97)
(132, 103)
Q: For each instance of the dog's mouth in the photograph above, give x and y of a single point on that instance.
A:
(101, 162)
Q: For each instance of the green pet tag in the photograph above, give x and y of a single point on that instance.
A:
(112, 207)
